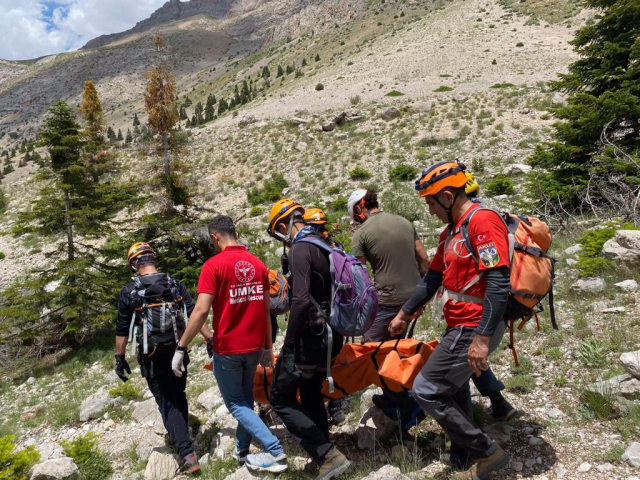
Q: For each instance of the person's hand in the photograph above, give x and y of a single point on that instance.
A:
(398, 324)
(478, 353)
(266, 360)
(210, 347)
(122, 366)
(177, 363)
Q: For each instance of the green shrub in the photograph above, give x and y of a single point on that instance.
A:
(500, 185)
(602, 405)
(520, 383)
(339, 204)
(403, 201)
(333, 190)
(394, 93)
(403, 172)
(15, 465)
(590, 263)
(355, 100)
(2, 256)
(92, 464)
(126, 390)
(519, 44)
(270, 192)
(443, 88)
(614, 455)
(319, 87)
(256, 211)
(502, 85)
(359, 173)
(3, 201)
(592, 353)
(525, 367)
(554, 353)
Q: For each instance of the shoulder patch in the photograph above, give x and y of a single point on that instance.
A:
(488, 254)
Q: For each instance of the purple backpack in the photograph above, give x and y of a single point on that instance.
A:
(354, 299)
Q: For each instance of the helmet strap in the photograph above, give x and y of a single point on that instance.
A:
(448, 210)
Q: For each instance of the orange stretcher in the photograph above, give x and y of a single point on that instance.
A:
(393, 364)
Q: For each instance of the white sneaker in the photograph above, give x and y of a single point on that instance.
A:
(265, 462)
(240, 456)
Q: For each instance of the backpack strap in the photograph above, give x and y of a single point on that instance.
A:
(319, 242)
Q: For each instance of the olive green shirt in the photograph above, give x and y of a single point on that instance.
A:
(388, 243)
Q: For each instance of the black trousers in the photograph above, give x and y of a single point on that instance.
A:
(169, 393)
(305, 420)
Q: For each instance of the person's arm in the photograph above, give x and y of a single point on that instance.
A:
(190, 304)
(422, 258)
(424, 291)
(197, 319)
(125, 313)
(268, 341)
(358, 248)
(301, 297)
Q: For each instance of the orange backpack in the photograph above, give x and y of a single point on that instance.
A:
(279, 292)
(532, 270)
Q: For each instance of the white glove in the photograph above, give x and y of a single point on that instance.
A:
(177, 363)
(266, 360)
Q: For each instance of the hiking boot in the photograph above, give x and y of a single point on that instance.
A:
(240, 455)
(190, 464)
(412, 418)
(459, 459)
(336, 412)
(333, 465)
(501, 409)
(383, 404)
(266, 462)
(483, 468)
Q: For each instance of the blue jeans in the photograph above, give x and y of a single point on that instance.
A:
(234, 374)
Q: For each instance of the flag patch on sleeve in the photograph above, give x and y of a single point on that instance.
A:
(488, 254)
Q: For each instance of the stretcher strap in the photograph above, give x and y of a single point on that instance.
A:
(511, 345)
(329, 349)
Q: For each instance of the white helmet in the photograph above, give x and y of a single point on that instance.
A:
(354, 199)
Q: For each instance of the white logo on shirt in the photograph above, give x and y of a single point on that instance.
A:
(245, 271)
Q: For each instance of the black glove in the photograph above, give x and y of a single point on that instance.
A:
(122, 366)
(210, 347)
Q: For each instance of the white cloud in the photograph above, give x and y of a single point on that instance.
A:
(33, 28)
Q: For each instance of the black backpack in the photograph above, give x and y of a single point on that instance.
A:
(160, 314)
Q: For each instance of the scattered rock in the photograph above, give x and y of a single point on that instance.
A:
(573, 250)
(147, 413)
(628, 285)
(623, 247)
(517, 169)
(558, 99)
(367, 396)
(584, 467)
(340, 118)
(373, 427)
(223, 418)
(328, 126)
(245, 474)
(33, 412)
(222, 444)
(625, 386)
(210, 399)
(632, 454)
(423, 106)
(597, 307)
(246, 121)
(561, 472)
(31, 381)
(460, 98)
(93, 406)
(388, 472)
(109, 424)
(614, 310)
(590, 285)
(301, 147)
(555, 413)
(50, 451)
(62, 468)
(525, 111)
(605, 467)
(572, 262)
(529, 462)
(501, 433)
(517, 466)
(390, 113)
(150, 443)
(297, 121)
(535, 441)
(161, 467)
(631, 363)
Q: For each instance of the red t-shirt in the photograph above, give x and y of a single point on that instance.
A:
(490, 241)
(238, 281)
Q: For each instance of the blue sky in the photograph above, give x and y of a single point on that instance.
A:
(33, 28)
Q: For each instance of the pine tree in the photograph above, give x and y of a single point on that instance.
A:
(161, 106)
(129, 137)
(304, 62)
(593, 160)
(111, 135)
(119, 137)
(317, 57)
(280, 71)
(194, 121)
(136, 122)
(222, 106)
(265, 72)
(290, 69)
(183, 113)
(187, 101)
(96, 158)
(199, 114)
(209, 110)
(245, 96)
(136, 130)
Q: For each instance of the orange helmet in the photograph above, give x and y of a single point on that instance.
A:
(315, 216)
(439, 176)
(139, 250)
(282, 209)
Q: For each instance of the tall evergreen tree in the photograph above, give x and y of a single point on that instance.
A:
(304, 62)
(280, 71)
(111, 135)
(223, 106)
(98, 160)
(317, 59)
(209, 110)
(161, 107)
(199, 111)
(265, 72)
(119, 137)
(596, 146)
(136, 122)
(129, 138)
